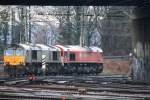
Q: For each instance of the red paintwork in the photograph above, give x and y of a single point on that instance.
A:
(88, 57)
(82, 56)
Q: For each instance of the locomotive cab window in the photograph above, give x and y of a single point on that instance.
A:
(72, 57)
(55, 55)
(19, 52)
(9, 52)
(34, 54)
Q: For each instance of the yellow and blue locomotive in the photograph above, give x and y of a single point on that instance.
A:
(25, 59)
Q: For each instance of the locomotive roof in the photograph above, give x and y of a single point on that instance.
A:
(29, 47)
(43, 47)
(24, 46)
(95, 49)
(79, 48)
(70, 47)
(46, 47)
(38, 47)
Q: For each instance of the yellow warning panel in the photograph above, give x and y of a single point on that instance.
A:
(14, 60)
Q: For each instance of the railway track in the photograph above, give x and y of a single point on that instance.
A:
(40, 93)
(68, 79)
(74, 87)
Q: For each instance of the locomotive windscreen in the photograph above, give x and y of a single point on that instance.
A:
(19, 52)
(9, 52)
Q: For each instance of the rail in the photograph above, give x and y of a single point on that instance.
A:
(75, 87)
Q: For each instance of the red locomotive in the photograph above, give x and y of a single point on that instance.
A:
(83, 60)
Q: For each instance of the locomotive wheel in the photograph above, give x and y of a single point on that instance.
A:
(12, 72)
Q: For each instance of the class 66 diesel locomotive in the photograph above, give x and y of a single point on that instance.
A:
(40, 59)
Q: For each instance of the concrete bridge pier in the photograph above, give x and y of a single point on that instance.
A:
(141, 44)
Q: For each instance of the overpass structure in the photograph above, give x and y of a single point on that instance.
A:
(76, 2)
(141, 26)
(141, 30)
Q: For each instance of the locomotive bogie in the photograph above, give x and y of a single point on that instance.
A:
(53, 69)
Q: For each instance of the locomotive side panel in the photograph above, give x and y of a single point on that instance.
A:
(85, 57)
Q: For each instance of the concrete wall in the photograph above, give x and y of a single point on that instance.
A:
(141, 43)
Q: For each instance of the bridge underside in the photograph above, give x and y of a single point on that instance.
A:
(76, 2)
